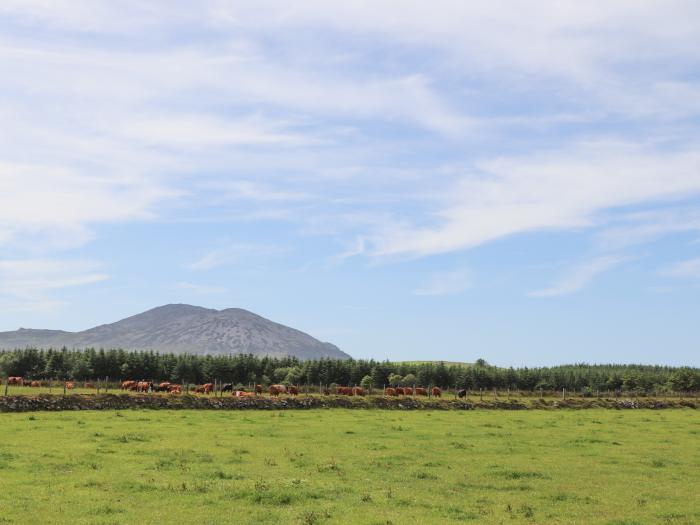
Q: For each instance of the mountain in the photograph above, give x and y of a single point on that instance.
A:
(182, 328)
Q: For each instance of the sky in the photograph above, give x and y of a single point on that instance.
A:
(515, 181)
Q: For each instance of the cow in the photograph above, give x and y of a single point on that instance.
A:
(240, 393)
(461, 393)
(421, 392)
(227, 387)
(163, 387)
(129, 385)
(293, 391)
(144, 386)
(35, 384)
(276, 390)
(407, 391)
(70, 385)
(208, 388)
(358, 391)
(436, 392)
(15, 380)
(343, 391)
(258, 389)
(390, 392)
(88, 385)
(175, 389)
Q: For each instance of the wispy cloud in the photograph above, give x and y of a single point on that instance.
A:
(579, 276)
(446, 283)
(28, 284)
(555, 191)
(200, 288)
(688, 269)
(232, 253)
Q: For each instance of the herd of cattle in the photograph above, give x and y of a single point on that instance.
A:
(273, 390)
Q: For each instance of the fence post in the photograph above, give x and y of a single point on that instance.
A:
(7, 384)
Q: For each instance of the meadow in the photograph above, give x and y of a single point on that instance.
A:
(351, 466)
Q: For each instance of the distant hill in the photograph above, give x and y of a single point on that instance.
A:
(182, 328)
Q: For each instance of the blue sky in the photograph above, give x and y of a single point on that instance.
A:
(518, 181)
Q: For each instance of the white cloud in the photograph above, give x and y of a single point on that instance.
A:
(579, 276)
(446, 283)
(230, 254)
(689, 268)
(27, 284)
(555, 191)
(200, 288)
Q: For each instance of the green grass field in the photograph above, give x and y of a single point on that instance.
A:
(359, 466)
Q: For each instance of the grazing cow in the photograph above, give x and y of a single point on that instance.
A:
(175, 389)
(35, 384)
(15, 380)
(144, 386)
(436, 392)
(358, 391)
(407, 391)
(227, 387)
(129, 385)
(421, 392)
(399, 391)
(70, 385)
(163, 387)
(276, 390)
(293, 391)
(258, 389)
(343, 391)
(390, 392)
(461, 393)
(199, 389)
(88, 385)
(208, 388)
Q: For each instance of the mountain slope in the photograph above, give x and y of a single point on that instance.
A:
(181, 328)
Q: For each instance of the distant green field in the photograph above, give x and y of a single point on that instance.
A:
(351, 466)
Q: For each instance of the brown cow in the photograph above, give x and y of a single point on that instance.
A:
(399, 391)
(240, 393)
(129, 385)
(35, 384)
(292, 390)
(258, 389)
(208, 388)
(276, 390)
(391, 392)
(88, 385)
(343, 391)
(436, 392)
(15, 380)
(70, 385)
(175, 389)
(163, 387)
(407, 391)
(144, 386)
(358, 391)
(421, 392)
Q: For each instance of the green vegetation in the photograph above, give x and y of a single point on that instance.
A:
(341, 466)
(92, 364)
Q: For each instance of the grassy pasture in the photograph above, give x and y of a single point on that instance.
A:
(351, 466)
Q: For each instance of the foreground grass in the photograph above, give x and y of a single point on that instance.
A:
(342, 466)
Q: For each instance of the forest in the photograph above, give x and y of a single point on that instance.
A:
(245, 369)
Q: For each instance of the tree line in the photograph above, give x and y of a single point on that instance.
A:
(246, 369)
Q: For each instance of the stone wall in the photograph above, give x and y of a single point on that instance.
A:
(127, 401)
